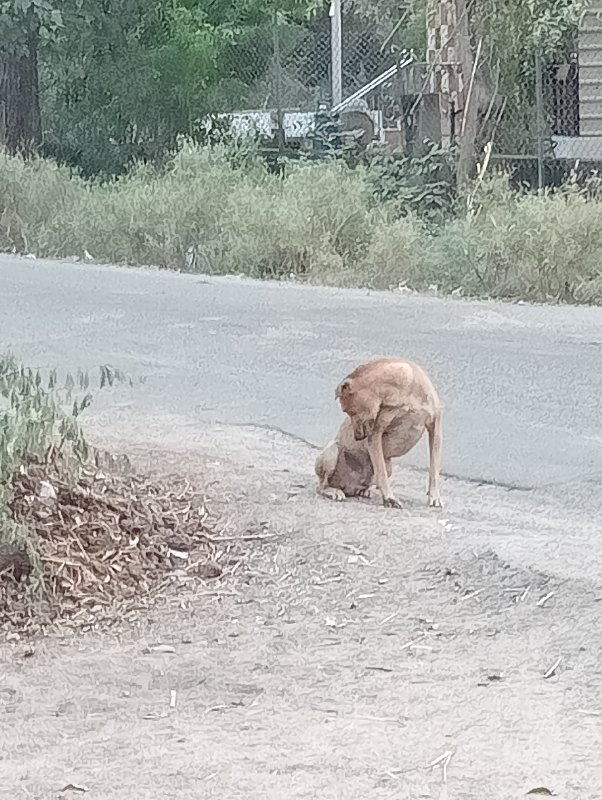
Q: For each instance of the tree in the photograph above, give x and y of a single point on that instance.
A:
(121, 79)
(27, 28)
(400, 22)
(511, 33)
(20, 30)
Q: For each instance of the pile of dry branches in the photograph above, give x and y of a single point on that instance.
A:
(97, 542)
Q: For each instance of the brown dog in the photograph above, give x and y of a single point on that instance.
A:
(389, 403)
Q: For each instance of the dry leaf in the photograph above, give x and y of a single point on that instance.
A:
(553, 669)
(47, 491)
(104, 538)
(542, 790)
(159, 648)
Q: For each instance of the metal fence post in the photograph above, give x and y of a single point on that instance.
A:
(336, 49)
(540, 120)
(278, 85)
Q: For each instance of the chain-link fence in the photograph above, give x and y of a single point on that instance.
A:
(541, 116)
(281, 74)
(546, 123)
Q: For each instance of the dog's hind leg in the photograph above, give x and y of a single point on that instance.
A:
(381, 469)
(435, 438)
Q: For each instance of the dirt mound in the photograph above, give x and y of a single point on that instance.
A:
(98, 544)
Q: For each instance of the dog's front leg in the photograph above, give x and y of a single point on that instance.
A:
(434, 434)
(330, 493)
(366, 492)
(381, 478)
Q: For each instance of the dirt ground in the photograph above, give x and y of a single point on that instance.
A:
(354, 649)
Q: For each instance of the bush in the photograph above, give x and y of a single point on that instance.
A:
(218, 211)
(32, 422)
(423, 185)
(82, 539)
(38, 199)
(525, 246)
(200, 213)
(397, 255)
(283, 228)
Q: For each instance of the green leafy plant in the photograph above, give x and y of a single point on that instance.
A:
(36, 424)
(423, 185)
(512, 33)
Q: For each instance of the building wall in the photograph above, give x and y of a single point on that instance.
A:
(590, 71)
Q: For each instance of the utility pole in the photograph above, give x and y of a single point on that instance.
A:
(336, 50)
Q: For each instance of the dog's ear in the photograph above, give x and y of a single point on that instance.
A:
(342, 389)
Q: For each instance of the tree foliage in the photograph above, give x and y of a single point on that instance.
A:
(516, 27)
(512, 33)
(131, 77)
(121, 79)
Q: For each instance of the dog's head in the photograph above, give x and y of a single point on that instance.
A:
(358, 407)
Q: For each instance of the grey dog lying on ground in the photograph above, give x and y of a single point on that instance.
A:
(389, 403)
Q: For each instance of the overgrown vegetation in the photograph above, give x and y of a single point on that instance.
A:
(33, 424)
(324, 222)
(99, 85)
(109, 89)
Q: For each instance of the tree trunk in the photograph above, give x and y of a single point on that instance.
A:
(466, 155)
(20, 119)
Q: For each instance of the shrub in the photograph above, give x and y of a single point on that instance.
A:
(423, 185)
(525, 246)
(222, 211)
(32, 422)
(397, 255)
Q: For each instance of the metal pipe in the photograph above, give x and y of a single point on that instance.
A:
(374, 84)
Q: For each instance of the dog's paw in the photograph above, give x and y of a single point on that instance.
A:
(338, 495)
(367, 493)
(435, 501)
(391, 502)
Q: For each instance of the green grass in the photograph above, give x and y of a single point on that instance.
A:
(323, 223)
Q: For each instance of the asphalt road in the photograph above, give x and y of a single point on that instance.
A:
(521, 385)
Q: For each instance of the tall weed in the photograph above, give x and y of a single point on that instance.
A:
(211, 211)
